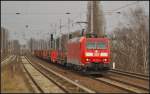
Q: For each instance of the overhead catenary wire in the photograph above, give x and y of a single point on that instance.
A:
(125, 6)
(122, 7)
(110, 12)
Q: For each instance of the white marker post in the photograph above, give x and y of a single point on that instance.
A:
(113, 65)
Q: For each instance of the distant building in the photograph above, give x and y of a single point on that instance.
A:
(4, 41)
(13, 47)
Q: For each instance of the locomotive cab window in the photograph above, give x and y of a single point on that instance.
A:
(90, 45)
(101, 45)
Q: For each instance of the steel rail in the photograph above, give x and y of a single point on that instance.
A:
(124, 86)
(7, 60)
(4, 58)
(124, 82)
(40, 90)
(139, 76)
(73, 86)
(33, 81)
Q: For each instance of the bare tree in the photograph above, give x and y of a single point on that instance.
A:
(130, 43)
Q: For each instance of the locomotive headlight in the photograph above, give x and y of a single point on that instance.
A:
(105, 60)
(104, 54)
(87, 59)
(88, 54)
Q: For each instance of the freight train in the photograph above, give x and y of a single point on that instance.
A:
(82, 54)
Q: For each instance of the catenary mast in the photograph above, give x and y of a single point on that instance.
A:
(95, 18)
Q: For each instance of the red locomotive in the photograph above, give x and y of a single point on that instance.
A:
(89, 53)
(82, 54)
(54, 55)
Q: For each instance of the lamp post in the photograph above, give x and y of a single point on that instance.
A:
(79, 22)
(16, 43)
(68, 23)
(60, 37)
(18, 13)
(82, 22)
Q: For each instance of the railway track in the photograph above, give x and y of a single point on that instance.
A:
(121, 84)
(112, 81)
(2, 59)
(63, 84)
(132, 82)
(8, 60)
(39, 82)
(131, 74)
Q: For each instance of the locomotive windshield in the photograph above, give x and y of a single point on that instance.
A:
(101, 45)
(96, 45)
(91, 45)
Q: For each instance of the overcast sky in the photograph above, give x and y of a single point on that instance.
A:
(42, 16)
